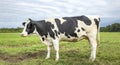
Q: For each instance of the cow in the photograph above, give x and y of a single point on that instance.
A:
(53, 30)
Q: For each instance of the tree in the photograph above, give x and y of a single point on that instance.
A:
(111, 28)
(11, 30)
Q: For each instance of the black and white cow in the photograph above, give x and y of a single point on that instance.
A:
(52, 30)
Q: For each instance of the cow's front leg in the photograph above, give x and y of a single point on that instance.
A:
(56, 46)
(48, 51)
(49, 45)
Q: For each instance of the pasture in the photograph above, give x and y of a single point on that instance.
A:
(17, 50)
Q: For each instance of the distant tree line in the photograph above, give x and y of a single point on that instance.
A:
(111, 28)
(11, 30)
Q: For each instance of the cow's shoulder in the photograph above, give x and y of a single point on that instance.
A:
(44, 28)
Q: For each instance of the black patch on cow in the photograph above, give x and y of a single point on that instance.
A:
(67, 35)
(30, 27)
(96, 22)
(56, 33)
(67, 27)
(59, 33)
(43, 39)
(82, 28)
(75, 35)
(71, 20)
(83, 18)
(78, 30)
(49, 24)
(44, 28)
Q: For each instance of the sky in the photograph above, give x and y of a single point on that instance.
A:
(14, 12)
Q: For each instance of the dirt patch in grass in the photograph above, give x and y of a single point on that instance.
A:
(22, 57)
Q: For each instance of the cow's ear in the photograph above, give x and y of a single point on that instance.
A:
(29, 19)
(23, 23)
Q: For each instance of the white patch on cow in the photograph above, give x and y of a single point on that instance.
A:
(47, 41)
(52, 21)
(79, 34)
(87, 28)
(92, 17)
(24, 33)
(76, 29)
(62, 37)
(62, 20)
(35, 31)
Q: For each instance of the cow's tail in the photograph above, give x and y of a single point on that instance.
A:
(98, 32)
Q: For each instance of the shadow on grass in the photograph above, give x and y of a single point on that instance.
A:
(22, 57)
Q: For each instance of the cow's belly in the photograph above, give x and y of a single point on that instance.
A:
(72, 39)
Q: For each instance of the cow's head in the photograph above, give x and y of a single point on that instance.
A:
(28, 28)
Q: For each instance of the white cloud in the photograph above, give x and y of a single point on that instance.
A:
(46, 0)
(39, 9)
(10, 24)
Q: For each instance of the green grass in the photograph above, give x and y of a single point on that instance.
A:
(14, 44)
(71, 53)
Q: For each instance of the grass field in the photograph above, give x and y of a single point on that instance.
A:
(16, 50)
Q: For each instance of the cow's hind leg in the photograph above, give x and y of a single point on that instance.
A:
(93, 43)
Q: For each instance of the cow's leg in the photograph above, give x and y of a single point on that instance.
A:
(56, 46)
(49, 45)
(48, 51)
(93, 43)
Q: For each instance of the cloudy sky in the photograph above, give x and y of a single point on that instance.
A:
(14, 12)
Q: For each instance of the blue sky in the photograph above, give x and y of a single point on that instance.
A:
(14, 12)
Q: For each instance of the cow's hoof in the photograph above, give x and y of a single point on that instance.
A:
(47, 57)
(56, 59)
(92, 59)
